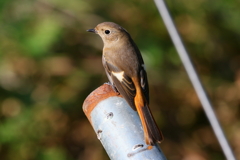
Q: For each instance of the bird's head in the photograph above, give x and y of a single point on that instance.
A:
(109, 32)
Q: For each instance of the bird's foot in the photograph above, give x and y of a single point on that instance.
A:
(113, 87)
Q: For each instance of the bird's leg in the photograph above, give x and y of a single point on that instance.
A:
(113, 87)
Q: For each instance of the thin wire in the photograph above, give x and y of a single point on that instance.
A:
(194, 78)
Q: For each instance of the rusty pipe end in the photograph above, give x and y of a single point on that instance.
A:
(103, 92)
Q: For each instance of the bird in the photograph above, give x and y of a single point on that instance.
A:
(125, 69)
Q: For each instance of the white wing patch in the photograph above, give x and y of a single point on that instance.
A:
(119, 75)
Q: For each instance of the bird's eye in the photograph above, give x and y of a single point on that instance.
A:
(107, 31)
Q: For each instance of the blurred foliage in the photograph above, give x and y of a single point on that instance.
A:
(49, 64)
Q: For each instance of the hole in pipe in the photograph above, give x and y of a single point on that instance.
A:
(99, 134)
(110, 115)
(137, 146)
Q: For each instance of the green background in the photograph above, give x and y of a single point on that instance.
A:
(49, 64)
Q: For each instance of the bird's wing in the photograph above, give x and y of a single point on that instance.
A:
(144, 82)
(122, 82)
(142, 72)
(107, 70)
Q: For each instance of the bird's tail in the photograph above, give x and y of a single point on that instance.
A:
(152, 133)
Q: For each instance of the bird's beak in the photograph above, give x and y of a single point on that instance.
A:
(91, 30)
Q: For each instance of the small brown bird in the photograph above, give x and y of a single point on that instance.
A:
(125, 69)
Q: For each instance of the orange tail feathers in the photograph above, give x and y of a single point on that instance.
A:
(152, 134)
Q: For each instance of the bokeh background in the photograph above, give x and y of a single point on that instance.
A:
(49, 64)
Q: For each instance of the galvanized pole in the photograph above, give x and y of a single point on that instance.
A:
(118, 126)
(194, 78)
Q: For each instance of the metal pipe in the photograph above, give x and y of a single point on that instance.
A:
(118, 126)
(194, 78)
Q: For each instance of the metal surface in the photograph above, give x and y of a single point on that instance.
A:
(194, 78)
(118, 127)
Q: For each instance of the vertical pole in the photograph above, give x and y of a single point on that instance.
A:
(194, 78)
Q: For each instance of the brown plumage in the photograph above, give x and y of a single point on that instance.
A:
(125, 69)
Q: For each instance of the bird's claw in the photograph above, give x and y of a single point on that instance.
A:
(113, 87)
